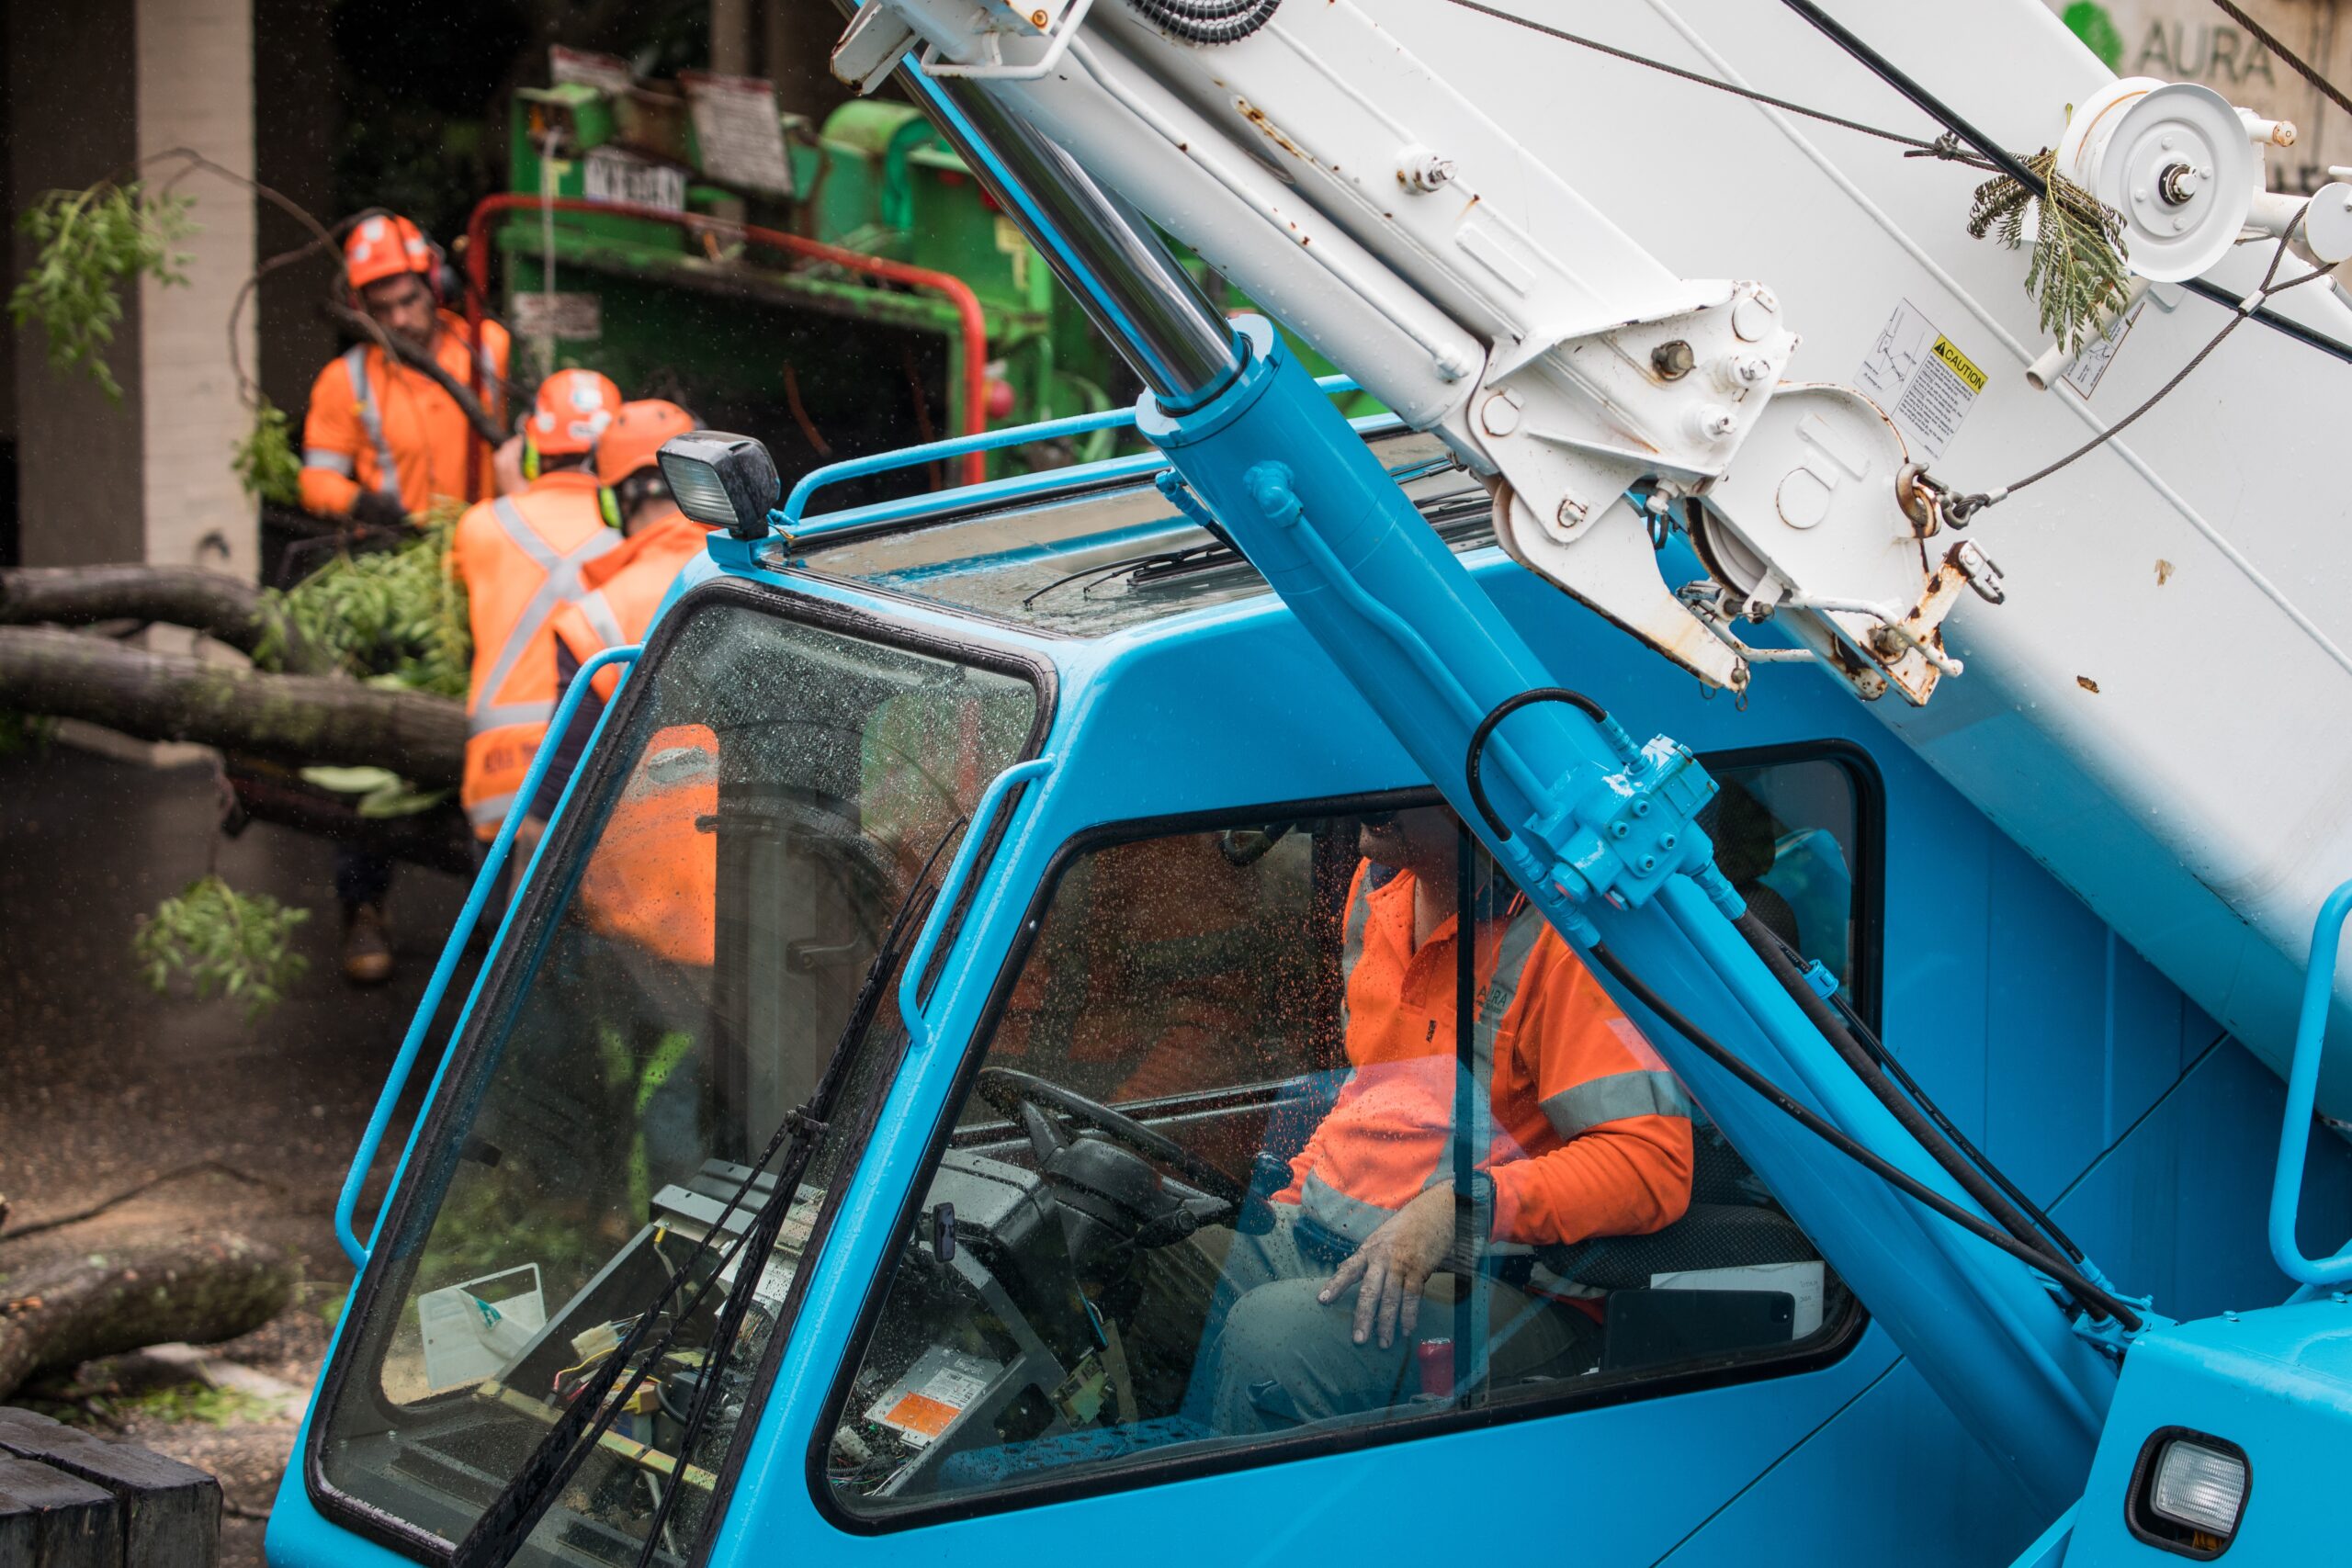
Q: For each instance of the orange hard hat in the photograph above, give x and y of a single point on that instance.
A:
(383, 246)
(574, 407)
(637, 435)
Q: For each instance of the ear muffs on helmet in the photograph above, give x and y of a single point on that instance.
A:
(608, 506)
(530, 460)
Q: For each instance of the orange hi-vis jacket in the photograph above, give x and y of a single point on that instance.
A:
(519, 556)
(652, 880)
(1588, 1134)
(375, 424)
(624, 587)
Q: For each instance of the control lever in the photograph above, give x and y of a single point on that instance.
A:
(1268, 1176)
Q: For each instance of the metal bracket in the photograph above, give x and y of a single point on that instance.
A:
(1626, 832)
(2109, 1338)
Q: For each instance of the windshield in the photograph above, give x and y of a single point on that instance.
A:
(734, 858)
(1107, 559)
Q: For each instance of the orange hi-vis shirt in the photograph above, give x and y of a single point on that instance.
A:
(1588, 1134)
(652, 880)
(372, 416)
(520, 557)
(622, 590)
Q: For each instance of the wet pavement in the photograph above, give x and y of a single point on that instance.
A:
(105, 1085)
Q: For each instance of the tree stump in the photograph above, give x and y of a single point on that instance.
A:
(165, 1514)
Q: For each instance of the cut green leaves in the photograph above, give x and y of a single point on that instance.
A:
(395, 617)
(89, 246)
(222, 943)
(265, 459)
(2077, 267)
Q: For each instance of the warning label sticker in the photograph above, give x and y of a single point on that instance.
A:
(1924, 381)
(2097, 354)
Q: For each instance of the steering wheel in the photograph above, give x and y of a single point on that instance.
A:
(1024, 1097)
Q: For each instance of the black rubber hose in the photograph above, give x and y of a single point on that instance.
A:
(1503, 710)
(1823, 1017)
(2096, 1301)
(1209, 21)
(1886, 1058)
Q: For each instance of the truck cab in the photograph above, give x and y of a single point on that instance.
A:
(909, 1030)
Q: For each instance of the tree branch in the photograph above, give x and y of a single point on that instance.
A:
(295, 719)
(226, 609)
(424, 365)
(201, 1288)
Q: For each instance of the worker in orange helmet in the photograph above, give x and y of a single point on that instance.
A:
(382, 439)
(652, 880)
(520, 557)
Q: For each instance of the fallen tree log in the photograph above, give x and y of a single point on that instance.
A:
(226, 609)
(293, 719)
(201, 1286)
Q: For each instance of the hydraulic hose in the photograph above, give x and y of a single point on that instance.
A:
(1209, 21)
(1918, 1116)
(1769, 947)
(2097, 1302)
(1887, 1059)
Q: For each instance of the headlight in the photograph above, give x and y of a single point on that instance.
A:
(722, 480)
(2188, 1492)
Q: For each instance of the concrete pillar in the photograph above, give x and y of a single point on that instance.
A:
(196, 89)
(73, 107)
(92, 86)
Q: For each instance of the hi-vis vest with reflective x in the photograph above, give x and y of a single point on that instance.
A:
(371, 415)
(512, 694)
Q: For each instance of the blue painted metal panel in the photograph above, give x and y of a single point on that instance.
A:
(2279, 1385)
(2044, 980)
(1890, 1478)
(2179, 1207)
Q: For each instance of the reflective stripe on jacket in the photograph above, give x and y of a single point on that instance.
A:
(376, 425)
(519, 558)
(1587, 1133)
(622, 590)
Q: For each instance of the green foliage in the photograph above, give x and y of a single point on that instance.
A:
(2076, 268)
(224, 943)
(2091, 22)
(90, 244)
(396, 617)
(265, 459)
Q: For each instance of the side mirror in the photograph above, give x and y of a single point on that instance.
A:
(722, 480)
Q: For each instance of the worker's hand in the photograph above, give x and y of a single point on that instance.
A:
(1393, 1265)
(379, 509)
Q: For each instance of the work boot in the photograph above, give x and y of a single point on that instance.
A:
(367, 945)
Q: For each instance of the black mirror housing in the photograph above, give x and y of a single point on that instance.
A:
(722, 480)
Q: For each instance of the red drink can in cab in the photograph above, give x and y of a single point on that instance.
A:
(1435, 1358)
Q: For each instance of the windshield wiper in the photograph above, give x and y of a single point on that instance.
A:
(507, 1523)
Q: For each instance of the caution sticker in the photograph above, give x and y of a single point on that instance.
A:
(1924, 381)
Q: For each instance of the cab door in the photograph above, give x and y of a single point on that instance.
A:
(1096, 1312)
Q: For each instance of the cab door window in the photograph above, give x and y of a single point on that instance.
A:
(1262, 1153)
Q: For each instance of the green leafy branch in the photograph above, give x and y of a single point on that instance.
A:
(90, 244)
(223, 943)
(2076, 269)
(264, 461)
(394, 617)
